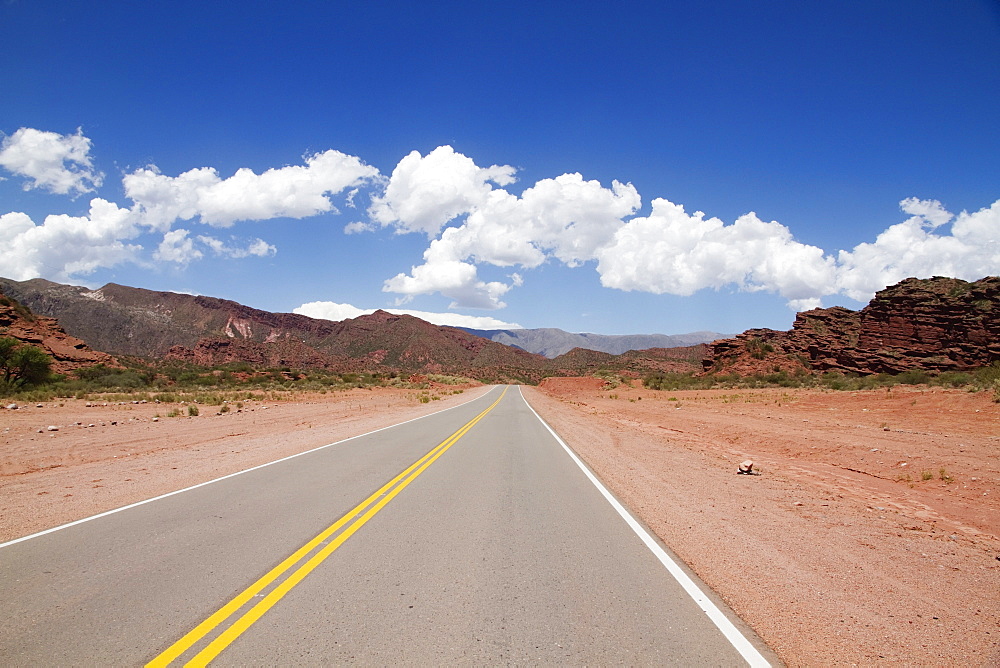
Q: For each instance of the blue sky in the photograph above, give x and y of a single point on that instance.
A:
(533, 163)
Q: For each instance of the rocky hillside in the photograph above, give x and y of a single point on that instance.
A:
(210, 331)
(583, 362)
(936, 324)
(68, 353)
(380, 342)
(133, 321)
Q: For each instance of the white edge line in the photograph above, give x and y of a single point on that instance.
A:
(732, 634)
(231, 475)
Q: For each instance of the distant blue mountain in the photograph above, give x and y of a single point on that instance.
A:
(552, 342)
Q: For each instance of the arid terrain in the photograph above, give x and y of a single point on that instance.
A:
(840, 552)
(871, 535)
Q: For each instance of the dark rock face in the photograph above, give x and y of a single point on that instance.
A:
(936, 324)
(68, 353)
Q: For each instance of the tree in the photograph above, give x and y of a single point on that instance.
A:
(21, 364)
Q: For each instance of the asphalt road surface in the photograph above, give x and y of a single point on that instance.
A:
(470, 536)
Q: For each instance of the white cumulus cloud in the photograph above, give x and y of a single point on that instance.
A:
(58, 163)
(458, 280)
(673, 252)
(65, 246)
(473, 221)
(566, 218)
(177, 247)
(425, 192)
(334, 311)
(256, 248)
(470, 218)
(917, 248)
(294, 191)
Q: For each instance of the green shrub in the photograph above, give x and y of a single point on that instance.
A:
(22, 365)
(988, 376)
(757, 348)
(661, 380)
(913, 377)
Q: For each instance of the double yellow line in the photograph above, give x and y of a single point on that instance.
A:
(366, 509)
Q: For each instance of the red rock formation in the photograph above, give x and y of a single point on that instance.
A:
(936, 324)
(68, 353)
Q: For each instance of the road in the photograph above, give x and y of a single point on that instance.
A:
(470, 536)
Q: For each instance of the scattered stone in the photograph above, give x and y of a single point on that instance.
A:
(156, 419)
(52, 427)
(39, 405)
(12, 407)
(746, 468)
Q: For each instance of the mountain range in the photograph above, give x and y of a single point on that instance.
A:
(551, 343)
(123, 320)
(936, 324)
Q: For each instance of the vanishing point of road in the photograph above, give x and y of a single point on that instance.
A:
(472, 536)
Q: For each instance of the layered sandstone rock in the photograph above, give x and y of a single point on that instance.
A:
(68, 352)
(936, 324)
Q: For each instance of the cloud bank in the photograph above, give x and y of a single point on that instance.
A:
(64, 248)
(474, 222)
(567, 219)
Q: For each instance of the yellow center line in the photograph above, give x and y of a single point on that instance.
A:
(380, 498)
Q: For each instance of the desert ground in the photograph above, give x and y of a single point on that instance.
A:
(871, 535)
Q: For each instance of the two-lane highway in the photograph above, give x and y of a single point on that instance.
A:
(470, 536)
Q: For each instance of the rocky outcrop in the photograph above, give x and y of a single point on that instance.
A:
(68, 353)
(936, 324)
